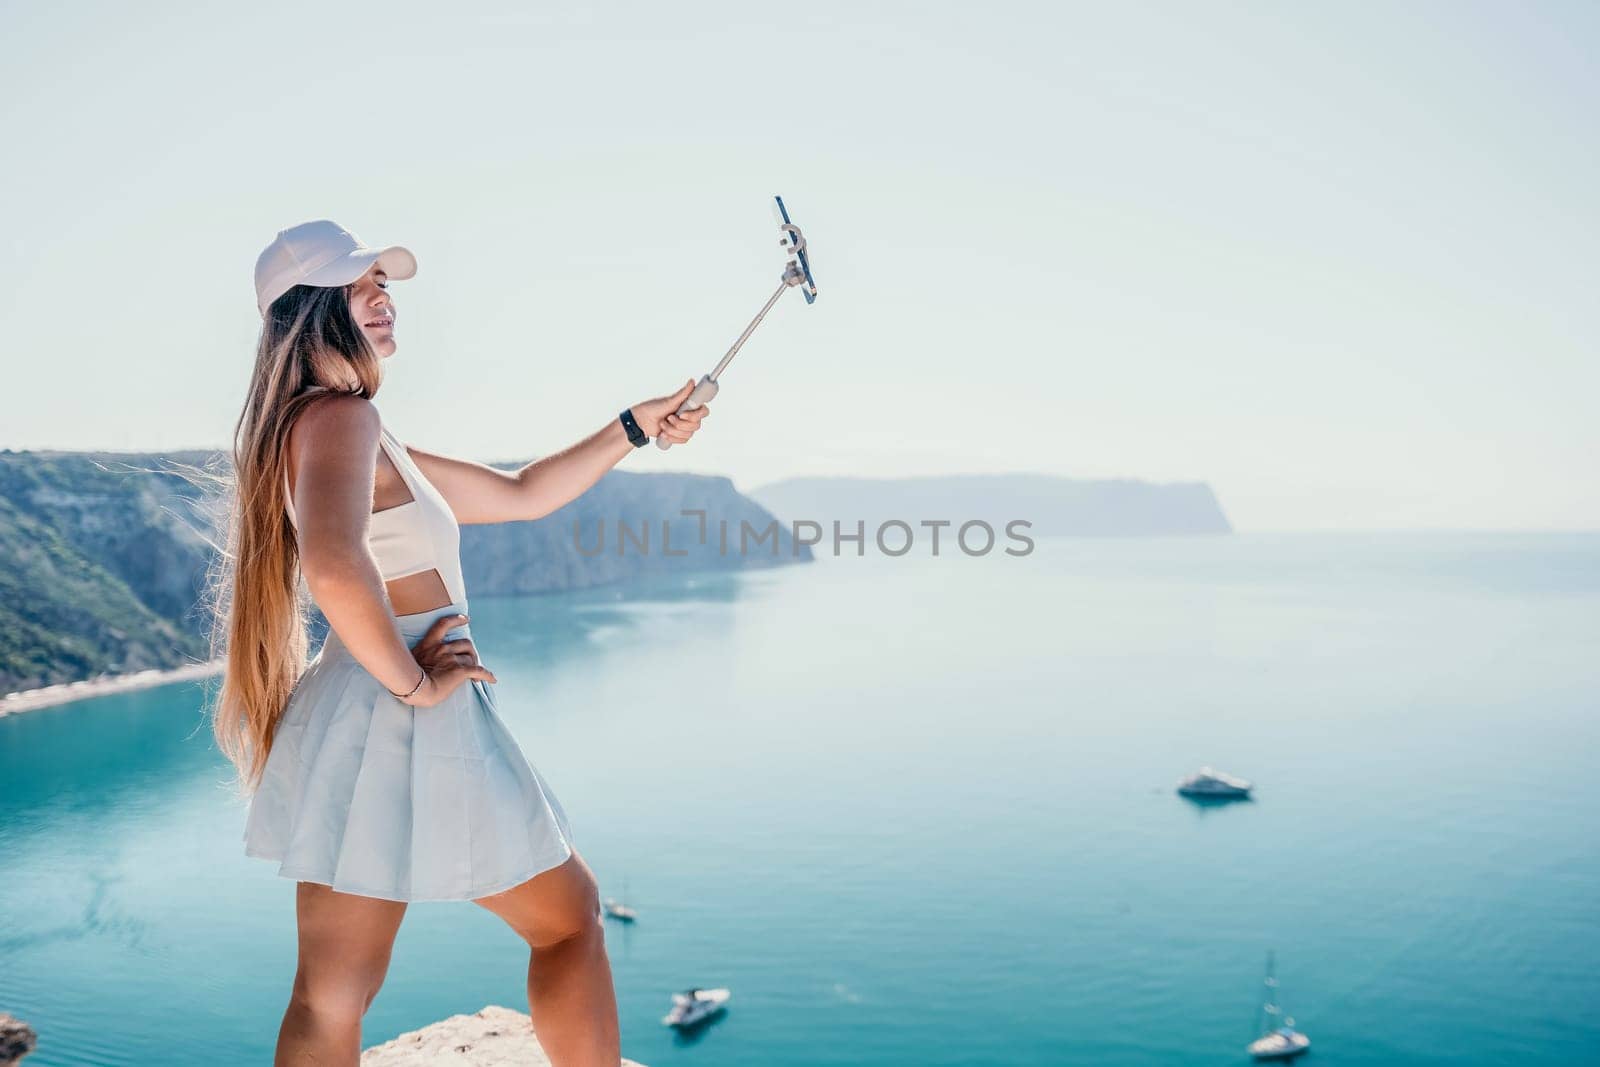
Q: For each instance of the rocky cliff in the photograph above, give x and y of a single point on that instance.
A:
(103, 555)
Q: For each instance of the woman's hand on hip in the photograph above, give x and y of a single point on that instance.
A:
(659, 417)
(447, 664)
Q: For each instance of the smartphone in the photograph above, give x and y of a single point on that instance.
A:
(810, 286)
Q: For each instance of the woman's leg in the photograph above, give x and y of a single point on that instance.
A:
(570, 995)
(345, 942)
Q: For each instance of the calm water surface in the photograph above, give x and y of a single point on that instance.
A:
(920, 811)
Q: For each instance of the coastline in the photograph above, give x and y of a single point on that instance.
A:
(68, 692)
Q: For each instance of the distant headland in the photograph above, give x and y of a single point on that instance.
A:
(1051, 504)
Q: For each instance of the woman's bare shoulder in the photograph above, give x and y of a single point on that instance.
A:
(334, 424)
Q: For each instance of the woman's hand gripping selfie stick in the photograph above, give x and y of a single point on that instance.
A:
(796, 272)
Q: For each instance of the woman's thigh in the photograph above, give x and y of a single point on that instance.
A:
(552, 905)
(345, 945)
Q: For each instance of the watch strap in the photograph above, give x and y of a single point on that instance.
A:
(636, 436)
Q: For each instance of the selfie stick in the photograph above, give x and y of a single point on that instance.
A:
(796, 272)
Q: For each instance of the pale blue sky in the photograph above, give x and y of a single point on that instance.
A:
(1337, 260)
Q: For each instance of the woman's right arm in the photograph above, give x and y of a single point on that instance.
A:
(335, 447)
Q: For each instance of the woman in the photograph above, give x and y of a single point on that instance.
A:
(381, 773)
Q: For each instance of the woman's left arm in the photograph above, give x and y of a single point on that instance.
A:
(479, 493)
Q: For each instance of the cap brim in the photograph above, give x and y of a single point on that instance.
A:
(398, 263)
(396, 260)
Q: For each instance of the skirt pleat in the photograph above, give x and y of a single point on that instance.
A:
(364, 793)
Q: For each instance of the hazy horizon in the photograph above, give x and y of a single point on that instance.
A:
(1330, 261)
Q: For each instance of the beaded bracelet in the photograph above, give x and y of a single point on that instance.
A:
(414, 688)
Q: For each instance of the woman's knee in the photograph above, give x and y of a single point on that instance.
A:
(551, 907)
(576, 911)
(335, 999)
(345, 947)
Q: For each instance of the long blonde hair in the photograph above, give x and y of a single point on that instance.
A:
(310, 347)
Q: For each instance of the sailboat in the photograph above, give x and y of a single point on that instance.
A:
(620, 912)
(1279, 1039)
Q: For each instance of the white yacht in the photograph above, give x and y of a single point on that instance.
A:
(615, 909)
(695, 1004)
(1283, 1043)
(1279, 1039)
(1213, 783)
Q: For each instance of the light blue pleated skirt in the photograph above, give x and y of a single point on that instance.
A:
(370, 795)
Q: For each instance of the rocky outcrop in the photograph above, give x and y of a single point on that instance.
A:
(17, 1039)
(493, 1037)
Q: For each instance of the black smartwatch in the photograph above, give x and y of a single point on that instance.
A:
(635, 435)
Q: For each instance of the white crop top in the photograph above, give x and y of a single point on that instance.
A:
(421, 534)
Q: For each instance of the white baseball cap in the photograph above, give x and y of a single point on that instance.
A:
(323, 253)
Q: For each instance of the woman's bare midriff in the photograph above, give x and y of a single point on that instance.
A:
(417, 592)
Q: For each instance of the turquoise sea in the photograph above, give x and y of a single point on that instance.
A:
(919, 810)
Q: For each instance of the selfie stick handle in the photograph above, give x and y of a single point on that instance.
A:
(707, 388)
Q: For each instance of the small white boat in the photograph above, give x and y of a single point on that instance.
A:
(694, 1005)
(1213, 783)
(1279, 1039)
(615, 910)
(1282, 1044)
